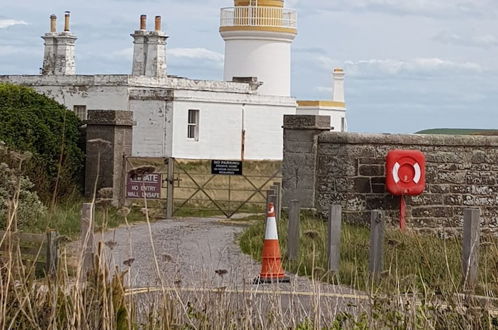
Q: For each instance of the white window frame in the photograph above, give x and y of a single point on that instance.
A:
(79, 110)
(193, 126)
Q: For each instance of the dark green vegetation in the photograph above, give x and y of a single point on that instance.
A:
(17, 196)
(459, 131)
(42, 155)
(412, 262)
(32, 122)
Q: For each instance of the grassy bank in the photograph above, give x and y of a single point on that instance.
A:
(65, 218)
(103, 302)
(412, 262)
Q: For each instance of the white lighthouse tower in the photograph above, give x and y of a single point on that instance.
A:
(258, 35)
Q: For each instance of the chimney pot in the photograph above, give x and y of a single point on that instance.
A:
(143, 22)
(66, 21)
(53, 23)
(158, 23)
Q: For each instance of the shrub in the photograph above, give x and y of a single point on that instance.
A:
(17, 189)
(33, 122)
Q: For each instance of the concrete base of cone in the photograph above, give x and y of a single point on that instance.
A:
(264, 280)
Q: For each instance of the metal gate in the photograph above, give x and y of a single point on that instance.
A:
(197, 191)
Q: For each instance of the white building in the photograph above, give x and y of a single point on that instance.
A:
(239, 118)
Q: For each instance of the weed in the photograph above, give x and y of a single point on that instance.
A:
(413, 262)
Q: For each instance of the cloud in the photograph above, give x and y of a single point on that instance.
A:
(431, 8)
(377, 68)
(309, 50)
(197, 63)
(7, 50)
(177, 53)
(324, 89)
(5, 23)
(196, 54)
(480, 41)
(122, 53)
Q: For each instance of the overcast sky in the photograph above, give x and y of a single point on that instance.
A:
(410, 64)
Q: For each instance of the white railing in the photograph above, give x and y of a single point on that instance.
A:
(258, 16)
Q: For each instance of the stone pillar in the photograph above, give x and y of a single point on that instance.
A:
(49, 53)
(139, 51)
(64, 56)
(155, 65)
(300, 152)
(108, 141)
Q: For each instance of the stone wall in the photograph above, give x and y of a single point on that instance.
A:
(461, 172)
(299, 159)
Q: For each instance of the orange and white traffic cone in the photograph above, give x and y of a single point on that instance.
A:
(271, 266)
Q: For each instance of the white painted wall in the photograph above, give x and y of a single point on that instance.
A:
(151, 133)
(94, 97)
(99, 92)
(219, 131)
(264, 139)
(336, 115)
(261, 54)
(161, 113)
(220, 125)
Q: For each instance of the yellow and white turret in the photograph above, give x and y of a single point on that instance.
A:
(258, 35)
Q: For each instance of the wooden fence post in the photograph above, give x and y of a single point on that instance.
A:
(293, 230)
(278, 206)
(169, 192)
(376, 243)
(271, 197)
(470, 254)
(87, 238)
(274, 191)
(334, 235)
(52, 253)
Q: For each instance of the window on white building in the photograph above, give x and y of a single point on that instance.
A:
(80, 111)
(193, 125)
(343, 124)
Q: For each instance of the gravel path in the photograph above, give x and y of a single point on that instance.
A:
(190, 251)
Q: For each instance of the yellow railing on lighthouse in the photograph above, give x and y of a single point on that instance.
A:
(255, 16)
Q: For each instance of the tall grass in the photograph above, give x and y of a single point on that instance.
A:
(65, 216)
(102, 300)
(412, 261)
(425, 267)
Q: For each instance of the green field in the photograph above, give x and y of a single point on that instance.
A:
(459, 131)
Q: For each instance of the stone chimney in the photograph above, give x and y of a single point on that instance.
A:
(338, 88)
(139, 48)
(58, 56)
(149, 52)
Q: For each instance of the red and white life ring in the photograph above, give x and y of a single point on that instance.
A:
(406, 178)
(405, 172)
